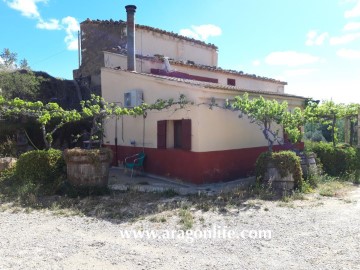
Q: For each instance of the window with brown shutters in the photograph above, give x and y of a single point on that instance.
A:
(186, 134)
(161, 134)
(174, 134)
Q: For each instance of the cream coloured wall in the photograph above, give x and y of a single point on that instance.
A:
(143, 65)
(212, 130)
(151, 43)
(115, 83)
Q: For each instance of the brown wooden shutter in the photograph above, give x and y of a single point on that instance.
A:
(186, 134)
(161, 134)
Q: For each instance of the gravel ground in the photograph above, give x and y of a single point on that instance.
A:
(317, 233)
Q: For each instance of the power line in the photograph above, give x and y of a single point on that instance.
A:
(49, 57)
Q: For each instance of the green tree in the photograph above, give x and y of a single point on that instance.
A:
(24, 64)
(271, 116)
(24, 85)
(8, 60)
(15, 83)
(351, 112)
(45, 115)
(327, 113)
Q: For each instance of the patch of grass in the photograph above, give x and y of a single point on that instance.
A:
(332, 188)
(163, 219)
(307, 187)
(153, 219)
(293, 197)
(262, 192)
(186, 219)
(298, 196)
(289, 204)
(169, 193)
(286, 199)
(157, 219)
(251, 203)
(205, 206)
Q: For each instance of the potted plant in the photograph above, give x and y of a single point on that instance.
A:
(89, 166)
(280, 170)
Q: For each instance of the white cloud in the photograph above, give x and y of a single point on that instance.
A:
(311, 34)
(52, 24)
(256, 63)
(290, 58)
(28, 8)
(354, 12)
(313, 38)
(189, 33)
(299, 72)
(352, 26)
(201, 32)
(71, 26)
(345, 39)
(348, 53)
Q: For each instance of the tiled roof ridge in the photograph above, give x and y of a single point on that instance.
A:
(154, 29)
(230, 71)
(204, 67)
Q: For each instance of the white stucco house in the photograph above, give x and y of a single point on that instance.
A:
(194, 144)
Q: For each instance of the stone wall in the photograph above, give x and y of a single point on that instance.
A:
(96, 38)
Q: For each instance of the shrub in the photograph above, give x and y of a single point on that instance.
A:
(336, 161)
(41, 170)
(285, 161)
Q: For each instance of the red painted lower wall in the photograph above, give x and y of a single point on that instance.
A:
(197, 167)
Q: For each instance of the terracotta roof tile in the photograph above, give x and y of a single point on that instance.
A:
(228, 71)
(203, 67)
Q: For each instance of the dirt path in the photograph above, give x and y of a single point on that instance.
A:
(318, 233)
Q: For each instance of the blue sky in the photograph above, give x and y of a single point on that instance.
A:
(314, 45)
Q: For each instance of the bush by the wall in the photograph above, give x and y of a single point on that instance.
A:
(285, 161)
(41, 169)
(336, 161)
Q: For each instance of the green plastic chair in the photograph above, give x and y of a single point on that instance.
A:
(135, 162)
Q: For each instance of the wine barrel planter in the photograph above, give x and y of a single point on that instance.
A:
(277, 182)
(308, 163)
(280, 171)
(88, 168)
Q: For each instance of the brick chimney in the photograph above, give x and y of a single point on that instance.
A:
(130, 10)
